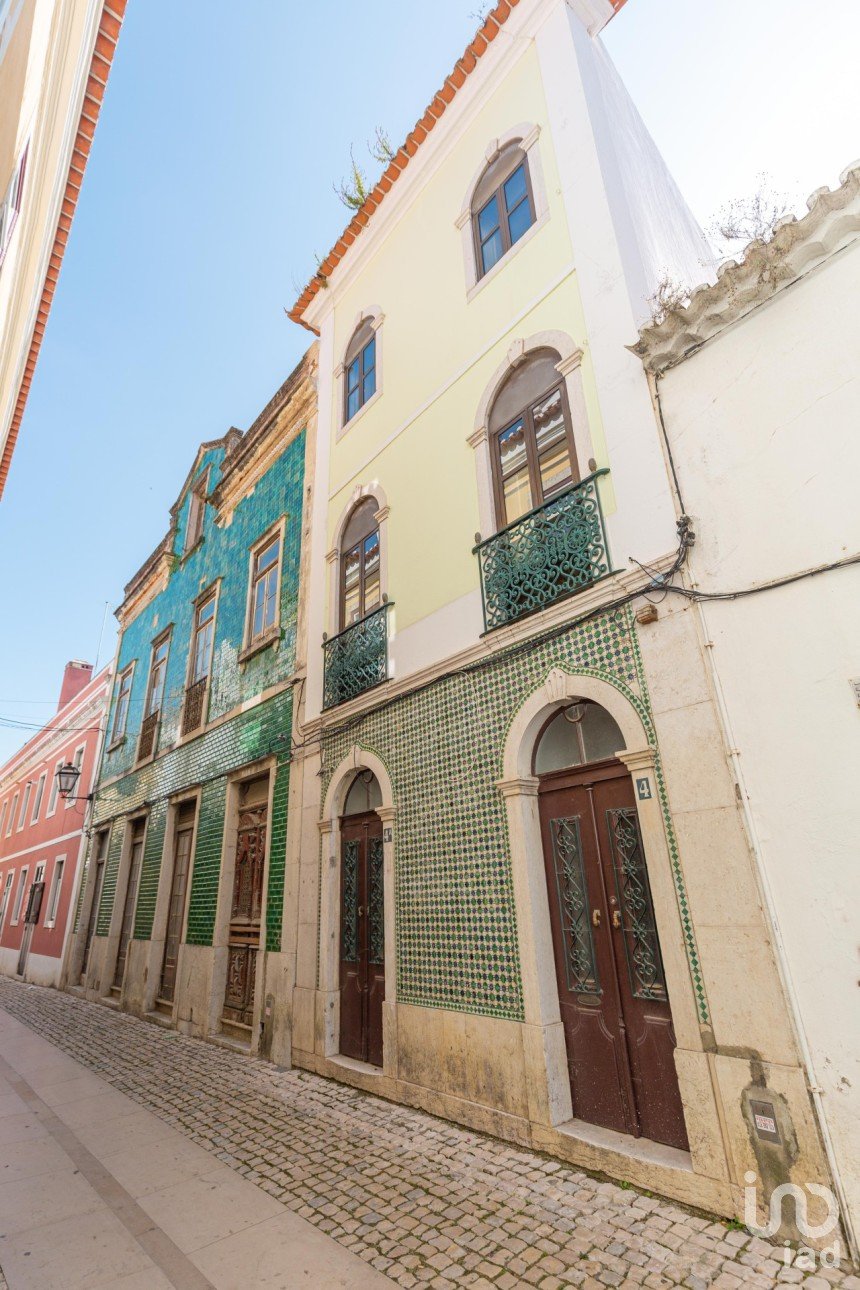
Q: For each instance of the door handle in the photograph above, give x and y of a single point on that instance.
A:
(616, 918)
(360, 910)
(595, 917)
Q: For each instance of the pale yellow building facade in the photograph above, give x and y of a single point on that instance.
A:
(522, 895)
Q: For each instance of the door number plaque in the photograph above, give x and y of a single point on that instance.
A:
(643, 789)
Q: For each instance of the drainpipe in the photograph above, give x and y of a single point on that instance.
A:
(765, 886)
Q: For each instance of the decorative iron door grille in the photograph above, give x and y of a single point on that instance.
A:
(357, 658)
(245, 911)
(548, 554)
(641, 945)
(573, 904)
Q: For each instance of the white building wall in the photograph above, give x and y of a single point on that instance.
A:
(762, 422)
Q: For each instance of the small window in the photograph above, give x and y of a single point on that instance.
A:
(40, 792)
(56, 884)
(360, 582)
(265, 576)
(78, 763)
(4, 902)
(19, 895)
(359, 370)
(201, 645)
(55, 788)
(581, 733)
(157, 676)
(3, 809)
(25, 802)
(12, 814)
(196, 512)
(11, 205)
(533, 452)
(120, 712)
(503, 207)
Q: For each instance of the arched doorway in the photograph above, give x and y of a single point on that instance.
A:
(362, 921)
(612, 988)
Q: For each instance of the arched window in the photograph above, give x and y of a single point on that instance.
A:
(503, 206)
(359, 369)
(531, 437)
(581, 733)
(360, 581)
(364, 794)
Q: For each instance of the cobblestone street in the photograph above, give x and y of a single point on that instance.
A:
(419, 1200)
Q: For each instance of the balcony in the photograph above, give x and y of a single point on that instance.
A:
(195, 698)
(356, 659)
(148, 732)
(546, 555)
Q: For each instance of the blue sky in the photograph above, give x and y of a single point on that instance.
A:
(208, 192)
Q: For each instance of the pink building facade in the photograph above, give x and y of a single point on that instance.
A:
(42, 836)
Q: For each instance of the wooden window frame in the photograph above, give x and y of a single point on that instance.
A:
(3, 811)
(344, 552)
(11, 209)
(25, 806)
(40, 794)
(54, 795)
(163, 639)
(532, 454)
(10, 823)
(266, 634)
(117, 736)
(200, 602)
(19, 896)
(498, 195)
(196, 513)
(362, 374)
(4, 898)
(54, 894)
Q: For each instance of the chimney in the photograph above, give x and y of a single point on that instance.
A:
(75, 677)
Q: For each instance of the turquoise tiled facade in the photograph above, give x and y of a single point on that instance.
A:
(221, 558)
(455, 923)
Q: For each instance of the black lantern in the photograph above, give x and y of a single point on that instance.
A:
(67, 781)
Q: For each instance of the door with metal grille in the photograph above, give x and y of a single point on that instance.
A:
(176, 909)
(138, 829)
(362, 938)
(245, 911)
(612, 988)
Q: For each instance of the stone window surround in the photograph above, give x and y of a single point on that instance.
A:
(333, 557)
(251, 646)
(328, 992)
(376, 318)
(570, 368)
(214, 590)
(526, 135)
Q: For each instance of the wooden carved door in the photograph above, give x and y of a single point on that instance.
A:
(176, 908)
(138, 830)
(612, 989)
(362, 938)
(245, 911)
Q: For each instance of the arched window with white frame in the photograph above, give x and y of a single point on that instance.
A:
(506, 201)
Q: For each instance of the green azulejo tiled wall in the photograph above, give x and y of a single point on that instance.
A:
(207, 761)
(455, 921)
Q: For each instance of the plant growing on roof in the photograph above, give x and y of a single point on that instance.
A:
(669, 297)
(353, 191)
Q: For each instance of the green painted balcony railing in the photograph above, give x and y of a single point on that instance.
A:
(357, 658)
(547, 554)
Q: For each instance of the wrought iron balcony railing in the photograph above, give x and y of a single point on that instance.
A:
(357, 658)
(195, 698)
(547, 554)
(148, 732)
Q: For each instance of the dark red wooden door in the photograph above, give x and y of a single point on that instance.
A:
(245, 912)
(176, 908)
(362, 938)
(612, 989)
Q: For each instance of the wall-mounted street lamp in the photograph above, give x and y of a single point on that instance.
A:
(67, 781)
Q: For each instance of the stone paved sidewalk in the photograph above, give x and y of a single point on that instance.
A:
(423, 1201)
